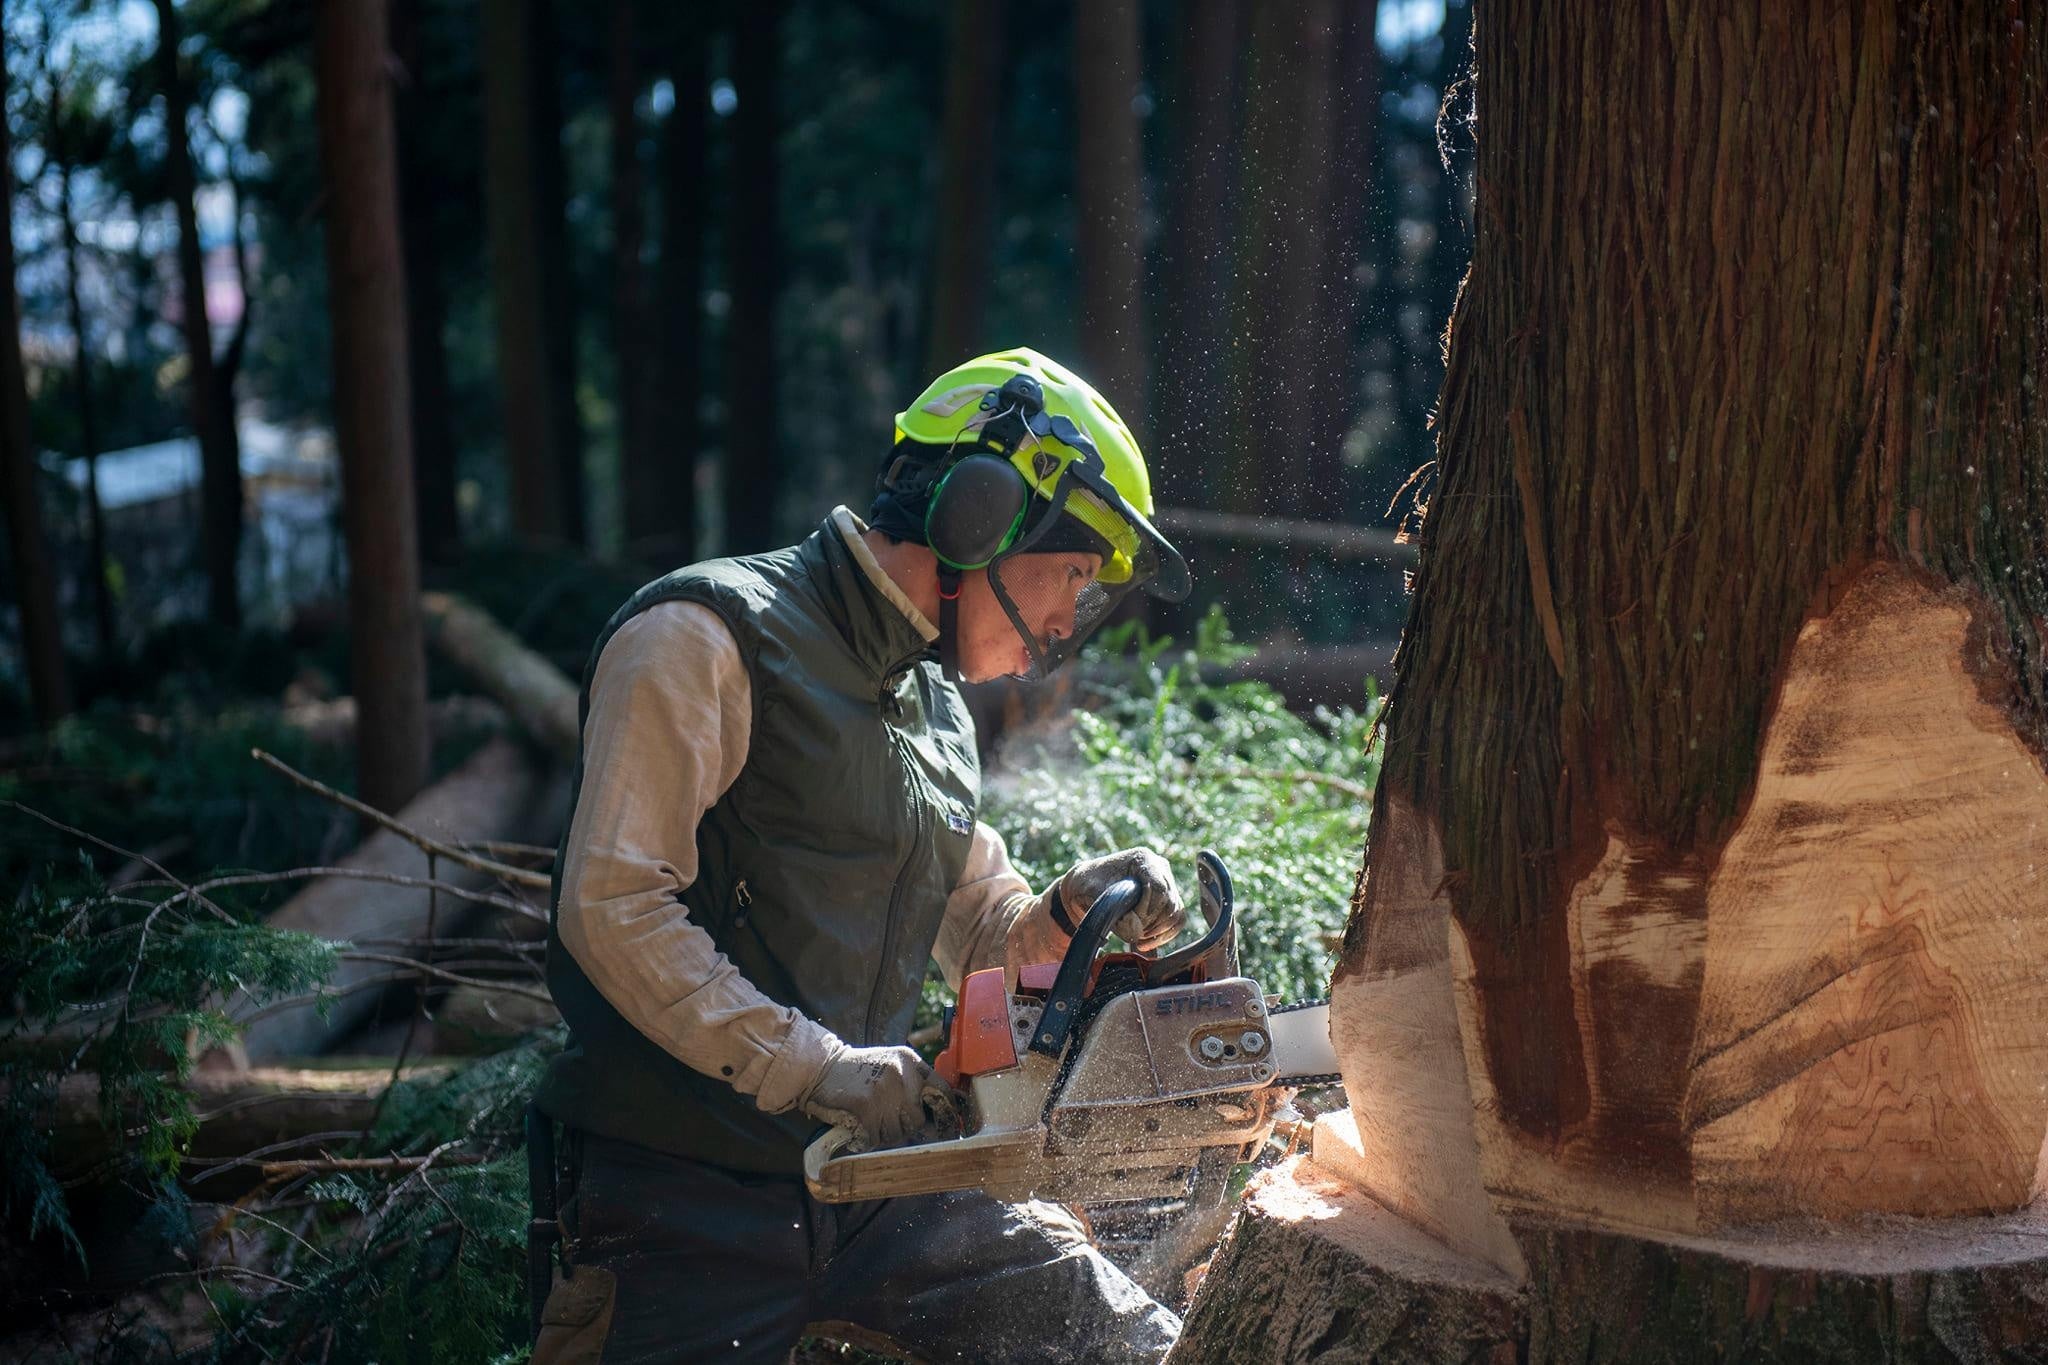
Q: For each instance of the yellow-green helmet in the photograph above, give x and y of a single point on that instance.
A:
(952, 401)
(1011, 453)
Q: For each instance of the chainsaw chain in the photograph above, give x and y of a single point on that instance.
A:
(1301, 1082)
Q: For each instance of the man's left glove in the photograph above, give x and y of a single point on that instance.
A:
(1159, 913)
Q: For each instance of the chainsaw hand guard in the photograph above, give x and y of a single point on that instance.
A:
(1070, 987)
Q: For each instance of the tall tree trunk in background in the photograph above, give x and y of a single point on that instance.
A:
(753, 450)
(1282, 230)
(1703, 920)
(963, 229)
(558, 284)
(526, 395)
(664, 521)
(433, 434)
(1108, 189)
(372, 402)
(1333, 349)
(35, 584)
(634, 338)
(88, 424)
(1196, 298)
(220, 472)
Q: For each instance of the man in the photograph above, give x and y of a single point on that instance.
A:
(774, 832)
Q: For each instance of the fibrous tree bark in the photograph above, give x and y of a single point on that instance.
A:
(1109, 246)
(962, 240)
(1695, 983)
(372, 404)
(220, 461)
(42, 638)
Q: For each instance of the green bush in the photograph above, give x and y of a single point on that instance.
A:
(1165, 757)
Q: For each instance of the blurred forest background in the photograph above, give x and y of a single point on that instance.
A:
(363, 355)
(670, 269)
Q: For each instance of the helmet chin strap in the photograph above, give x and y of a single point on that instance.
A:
(949, 621)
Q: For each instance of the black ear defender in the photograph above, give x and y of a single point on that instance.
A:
(976, 511)
(977, 508)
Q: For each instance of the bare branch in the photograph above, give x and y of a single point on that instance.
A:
(505, 872)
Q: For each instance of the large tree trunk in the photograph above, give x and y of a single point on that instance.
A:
(661, 524)
(88, 424)
(220, 471)
(753, 448)
(1354, 113)
(633, 327)
(1197, 252)
(35, 583)
(1109, 245)
(962, 238)
(558, 285)
(433, 433)
(1283, 174)
(513, 202)
(372, 404)
(1703, 911)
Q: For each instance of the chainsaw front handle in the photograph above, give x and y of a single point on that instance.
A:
(1071, 985)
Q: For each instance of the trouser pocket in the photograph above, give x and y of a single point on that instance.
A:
(576, 1319)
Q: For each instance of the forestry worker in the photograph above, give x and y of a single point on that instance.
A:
(774, 832)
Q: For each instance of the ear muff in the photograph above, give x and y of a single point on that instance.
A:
(976, 511)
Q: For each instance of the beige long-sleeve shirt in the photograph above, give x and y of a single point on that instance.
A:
(668, 732)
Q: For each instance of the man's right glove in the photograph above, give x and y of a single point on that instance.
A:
(1159, 913)
(882, 1093)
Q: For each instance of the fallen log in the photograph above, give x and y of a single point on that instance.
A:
(540, 698)
(240, 1112)
(500, 793)
(332, 723)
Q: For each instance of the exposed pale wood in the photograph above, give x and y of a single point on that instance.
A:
(1395, 1028)
(499, 793)
(1873, 1024)
(541, 700)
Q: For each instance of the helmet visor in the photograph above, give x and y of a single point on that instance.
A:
(1044, 584)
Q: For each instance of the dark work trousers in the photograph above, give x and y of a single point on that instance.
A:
(680, 1261)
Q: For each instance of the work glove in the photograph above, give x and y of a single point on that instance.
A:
(886, 1095)
(1159, 913)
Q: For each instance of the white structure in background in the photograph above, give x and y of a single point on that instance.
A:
(291, 541)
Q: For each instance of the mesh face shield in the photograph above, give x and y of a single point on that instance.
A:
(1054, 608)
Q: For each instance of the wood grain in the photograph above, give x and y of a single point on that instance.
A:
(1873, 1025)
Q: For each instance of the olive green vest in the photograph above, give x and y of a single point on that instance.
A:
(822, 874)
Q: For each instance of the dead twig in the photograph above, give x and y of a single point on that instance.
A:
(453, 978)
(505, 872)
(371, 1165)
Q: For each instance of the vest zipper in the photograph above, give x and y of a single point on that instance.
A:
(892, 923)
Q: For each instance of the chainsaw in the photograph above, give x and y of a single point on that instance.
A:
(1106, 1077)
